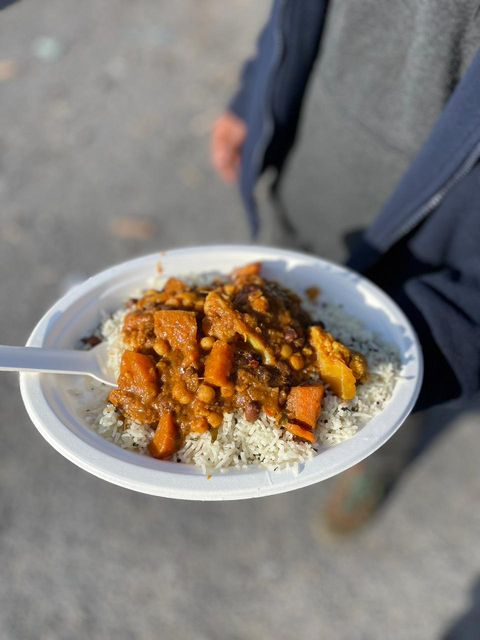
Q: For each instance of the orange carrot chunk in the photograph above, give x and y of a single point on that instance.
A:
(305, 403)
(218, 364)
(165, 440)
(301, 432)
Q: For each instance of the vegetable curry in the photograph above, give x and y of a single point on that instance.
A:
(195, 352)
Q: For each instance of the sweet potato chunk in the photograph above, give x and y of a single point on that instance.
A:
(218, 364)
(165, 440)
(138, 375)
(305, 403)
(301, 432)
(252, 269)
(137, 387)
(332, 359)
(138, 330)
(179, 329)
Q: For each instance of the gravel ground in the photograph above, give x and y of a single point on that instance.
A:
(104, 121)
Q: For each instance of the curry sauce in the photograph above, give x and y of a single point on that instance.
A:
(196, 352)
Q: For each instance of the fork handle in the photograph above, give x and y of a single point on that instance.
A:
(44, 360)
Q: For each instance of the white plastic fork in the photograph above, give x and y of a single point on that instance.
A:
(91, 363)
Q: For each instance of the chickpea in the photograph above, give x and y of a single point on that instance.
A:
(307, 351)
(181, 393)
(214, 419)
(207, 343)
(259, 304)
(206, 393)
(227, 391)
(186, 397)
(286, 351)
(187, 299)
(296, 362)
(161, 347)
(252, 411)
(199, 425)
(172, 302)
(178, 390)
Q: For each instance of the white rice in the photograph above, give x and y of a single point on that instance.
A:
(240, 443)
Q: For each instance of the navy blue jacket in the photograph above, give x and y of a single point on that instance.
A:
(424, 247)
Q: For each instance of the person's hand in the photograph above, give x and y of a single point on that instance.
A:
(228, 136)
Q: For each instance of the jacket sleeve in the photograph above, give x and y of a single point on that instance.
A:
(239, 102)
(434, 276)
(449, 331)
(444, 301)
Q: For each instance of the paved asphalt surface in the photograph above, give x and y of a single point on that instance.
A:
(104, 121)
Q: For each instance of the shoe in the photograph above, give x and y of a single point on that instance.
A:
(356, 497)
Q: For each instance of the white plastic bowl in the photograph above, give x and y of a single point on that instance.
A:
(81, 310)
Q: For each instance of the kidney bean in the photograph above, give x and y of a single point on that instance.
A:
(252, 411)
